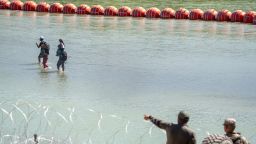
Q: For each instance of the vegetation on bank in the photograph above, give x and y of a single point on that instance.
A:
(231, 5)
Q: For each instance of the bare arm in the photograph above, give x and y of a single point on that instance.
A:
(157, 122)
(244, 140)
(37, 45)
(193, 139)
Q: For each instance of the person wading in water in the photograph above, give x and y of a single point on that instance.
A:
(62, 54)
(44, 52)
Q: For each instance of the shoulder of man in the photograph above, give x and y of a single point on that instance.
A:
(41, 42)
(188, 129)
(237, 138)
(244, 140)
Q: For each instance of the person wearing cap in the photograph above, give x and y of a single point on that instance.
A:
(44, 52)
(176, 133)
(229, 127)
(62, 54)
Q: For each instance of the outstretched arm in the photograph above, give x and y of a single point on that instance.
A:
(37, 45)
(157, 122)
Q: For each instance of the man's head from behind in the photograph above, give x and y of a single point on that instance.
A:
(183, 118)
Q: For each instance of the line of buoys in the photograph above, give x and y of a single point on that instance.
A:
(182, 13)
(196, 14)
(237, 16)
(97, 10)
(248, 17)
(16, 5)
(56, 8)
(29, 6)
(43, 7)
(83, 9)
(153, 13)
(111, 11)
(124, 11)
(166, 13)
(210, 15)
(139, 12)
(223, 15)
(4, 4)
(69, 9)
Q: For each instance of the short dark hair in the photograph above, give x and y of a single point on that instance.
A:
(183, 117)
(60, 40)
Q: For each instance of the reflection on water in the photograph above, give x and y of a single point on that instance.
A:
(119, 69)
(16, 13)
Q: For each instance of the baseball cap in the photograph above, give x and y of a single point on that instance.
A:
(230, 121)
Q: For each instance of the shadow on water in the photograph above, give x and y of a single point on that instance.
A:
(48, 71)
(16, 13)
(29, 64)
(29, 69)
(62, 76)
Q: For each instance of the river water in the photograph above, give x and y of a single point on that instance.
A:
(120, 69)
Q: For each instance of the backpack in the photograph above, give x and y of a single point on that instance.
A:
(58, 52)
(236, 140)
(46, 47)
(64, 56)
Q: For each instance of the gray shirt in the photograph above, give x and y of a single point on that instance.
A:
(176, 134)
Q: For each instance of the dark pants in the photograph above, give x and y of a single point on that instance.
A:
(60, 63)
(39, 57)
(45, 58)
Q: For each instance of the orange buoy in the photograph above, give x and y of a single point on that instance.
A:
(196, 14)
(4, 4)
(210, 15)
(69, 9)
(16, 5)
(153, 13)
(97, 10)
(138, 12)
(124, 11)
(182, 13)
(111, 11)
(167, 13)
(83, 9)
(29, 6)
(254, 20)
(248, 17)
(237, 16)
(56, 8)
(43, 7)
(223, 15)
